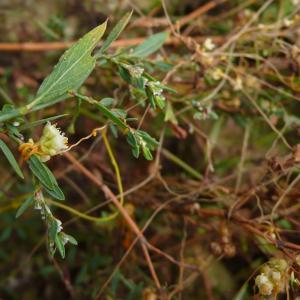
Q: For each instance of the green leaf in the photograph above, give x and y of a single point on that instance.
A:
(53, 229)
(11, 159)
(170, 156)
(42, 121)
(147, 153)
(160, 101)
(40, 171)
(119, 113)
(114, 34)
(169, 115)
(110, 115)
(151, 98)
(113, 130)
(56, 193)
(131, 139)
(136, 151)
(151, 142)
(24, 206)
(242, 293)
(107, 101)
(125, 75)
(70, 239)
(151, 45)
(60, 246)
(73, 68)
(45, 176)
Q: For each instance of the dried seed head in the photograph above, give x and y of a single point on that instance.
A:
(229, 250)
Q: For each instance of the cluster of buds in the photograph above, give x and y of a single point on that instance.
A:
(272, 279)
(224, 246)
(209, 45)
(134, 71)
(154, 92)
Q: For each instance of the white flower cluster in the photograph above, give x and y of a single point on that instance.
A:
(52, 142)
(155, 87)
(156, 90)
(209, 45)
(59, 225)
(135, 71)
(273, 277)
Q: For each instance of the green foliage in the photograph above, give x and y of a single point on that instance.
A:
(45, 177)
(11, 159)
(23, 207)
(150, 45)
(73, 68)
(114, 34)
(221, 197)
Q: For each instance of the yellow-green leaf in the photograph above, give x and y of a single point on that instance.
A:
(74, 66)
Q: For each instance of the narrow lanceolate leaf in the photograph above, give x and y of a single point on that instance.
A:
(11, 159)
(56, 193)
(60, 246)
(42, 121)
(71, 239)
(151, 45)
(169, 114)
(45, 177)
(53, 229)
(73, 68)
(39, 170)
(114, 34)
(147, 153)
(28, 202)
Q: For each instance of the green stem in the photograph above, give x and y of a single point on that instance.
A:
(103, 109)
(24, 110)
(181, 164)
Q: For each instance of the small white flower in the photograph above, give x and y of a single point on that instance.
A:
(238, 84)
(275, 276)
(155, 87)
(209, 45)
(37, 205)
(248, 12)
(217, 74)
(287, 22)
(52, 141)
(264, 284)
(58, 224)
(135, 71)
